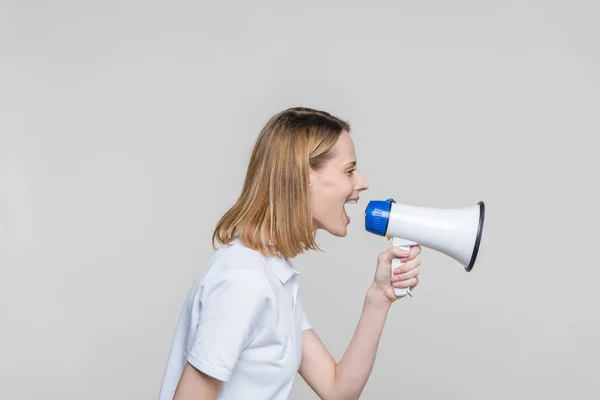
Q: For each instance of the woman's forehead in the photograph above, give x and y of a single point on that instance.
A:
(344, 149)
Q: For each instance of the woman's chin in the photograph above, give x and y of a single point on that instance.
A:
(340, 231)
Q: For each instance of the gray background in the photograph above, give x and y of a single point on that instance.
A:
(126, 127)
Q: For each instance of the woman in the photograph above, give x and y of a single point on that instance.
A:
(242, 333)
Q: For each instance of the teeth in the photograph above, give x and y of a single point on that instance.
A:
(351, 201)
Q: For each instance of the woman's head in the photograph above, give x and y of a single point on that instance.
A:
(301, 173)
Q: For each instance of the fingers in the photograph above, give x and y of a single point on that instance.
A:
(415, 250)
(407, 274)
(413, 273)
(397, 252)
(407, 266)
(415, 285)
(393, 252)
(411, 283)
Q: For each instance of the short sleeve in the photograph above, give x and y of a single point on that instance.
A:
(305, 323)
(230, 307)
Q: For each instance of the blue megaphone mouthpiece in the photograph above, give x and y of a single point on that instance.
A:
(377, 216)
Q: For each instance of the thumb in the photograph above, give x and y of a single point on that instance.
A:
(391, 253)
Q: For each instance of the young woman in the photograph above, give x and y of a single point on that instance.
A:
(242, 333)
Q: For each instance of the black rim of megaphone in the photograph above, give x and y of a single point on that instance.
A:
(479, 232)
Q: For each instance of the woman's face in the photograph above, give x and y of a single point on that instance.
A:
(337, 182)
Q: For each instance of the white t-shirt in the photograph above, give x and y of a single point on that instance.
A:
(241, 323)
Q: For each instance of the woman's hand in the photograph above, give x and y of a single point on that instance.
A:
(406, 275)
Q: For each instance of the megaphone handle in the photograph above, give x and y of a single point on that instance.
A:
(396, 262)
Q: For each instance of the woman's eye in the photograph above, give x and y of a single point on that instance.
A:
(351, 171)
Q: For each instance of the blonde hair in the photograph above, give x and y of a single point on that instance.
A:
(272, 214)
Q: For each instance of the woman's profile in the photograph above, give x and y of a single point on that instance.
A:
(242, 332)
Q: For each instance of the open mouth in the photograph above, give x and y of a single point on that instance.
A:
(349, 201)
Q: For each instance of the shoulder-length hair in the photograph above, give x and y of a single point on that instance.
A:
(272, 214)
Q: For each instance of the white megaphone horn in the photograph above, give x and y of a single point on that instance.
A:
(455, 232)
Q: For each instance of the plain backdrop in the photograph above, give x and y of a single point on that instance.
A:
(126, 128)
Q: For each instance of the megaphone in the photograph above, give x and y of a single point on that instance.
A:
(454, 232)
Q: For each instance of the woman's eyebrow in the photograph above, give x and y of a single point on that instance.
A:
(351, 164)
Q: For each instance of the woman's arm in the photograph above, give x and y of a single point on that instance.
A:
(348, 378)
(196, 385)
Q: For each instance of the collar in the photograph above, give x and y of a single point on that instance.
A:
(283, 268)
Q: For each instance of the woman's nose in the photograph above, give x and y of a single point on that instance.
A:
(363, 184)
